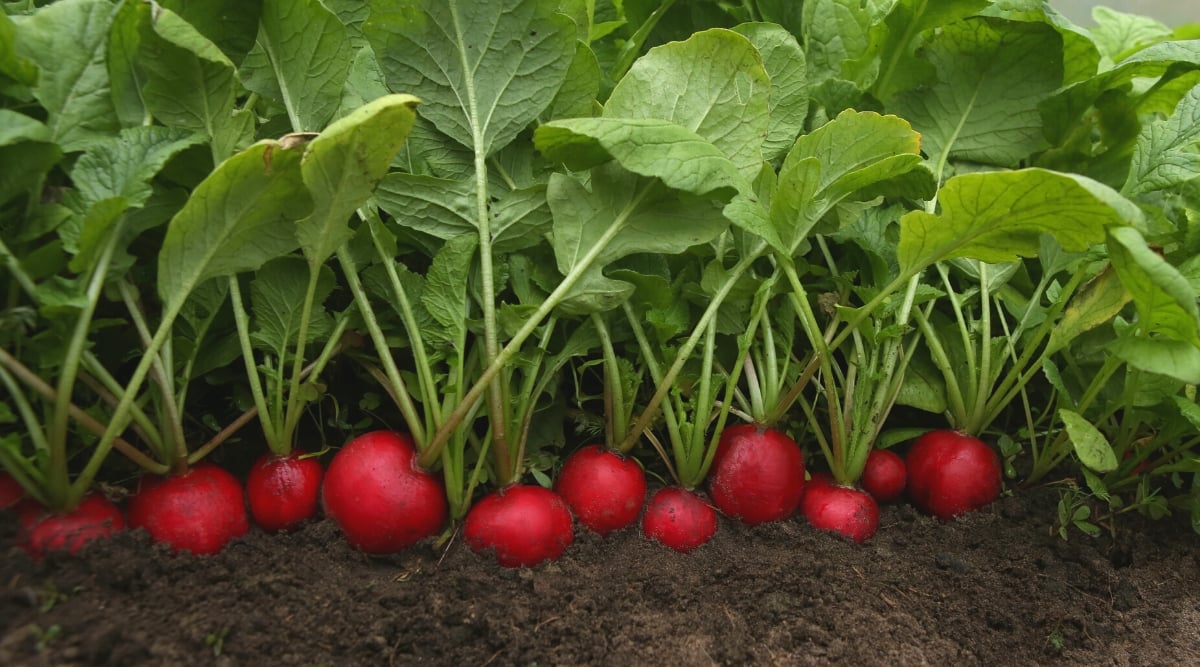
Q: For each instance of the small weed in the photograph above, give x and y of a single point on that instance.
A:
(44, 637)
(216, 641)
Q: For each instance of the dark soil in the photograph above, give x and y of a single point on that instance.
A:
(993, 588)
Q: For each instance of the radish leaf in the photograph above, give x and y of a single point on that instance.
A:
(783, 60)
(276, 295)
(1090, 444)
(1165, 300)
(1167, 151)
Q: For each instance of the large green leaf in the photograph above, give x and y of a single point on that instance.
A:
(24, 141)
(634, 214)
(713, 84)
(649, 147)
(836, 32)
(239, 217)
(1175, 359)
(231, 24)
(188, 81)
(1062, 110)
(445, 293)
(1000, 217)
(783, 59)
(903, 31)
(13, 68)
(344, 164)
(68, 41)
(1097, 302)
(122, 166)
(991, 76)
(307, 51)
(1119, 34)
(484, 70)
(1165, 300)
(1168, 150)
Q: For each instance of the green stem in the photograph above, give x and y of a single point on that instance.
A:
(265, 417)
(291, 413)
(99, 380)
(400, 391)
(613, 389)
(58, 482)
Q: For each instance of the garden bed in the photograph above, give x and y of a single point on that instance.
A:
(993, 588)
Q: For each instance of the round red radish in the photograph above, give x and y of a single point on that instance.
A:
(757, 474)
(44, 532)
(884, 476)
(199, 511)
(841, 509)
(522, 525)
(283, 490)
(378, 495)
(10, 491)
(679, 519)
(604, 489)
(950, 473)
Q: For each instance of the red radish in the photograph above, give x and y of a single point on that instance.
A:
(884, 476)
(95, 518)
(283, 490)
(679, 519)
(950, 473)
(199, 511)
(10, 491)
(757, 474)
(523, 525)
(382, 500)
(604, 489)
(830, 506)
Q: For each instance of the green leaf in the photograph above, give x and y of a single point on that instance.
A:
(522, 219)
(276, 300)
(239, 217)
(991, 77)
(784, 62)
(903, 31)
(1173, 358)
(122, 166)
(1167, 151)
(67, 41)
(484, 70)
(188, 81)
(1096, 303)
(13, 68)
(836, 32)
(1064, 109)
(343, 165)
(581, 87)
(923, 386)
(650, 219)
(847, 154)
(439, 207)
(1000, 216)
(658, 148)
(1165, 300)
(445, 293)
(231, 24)
(713, 84)
(307, 49)
(26, 142)
(1090, 445)
(1119, 35)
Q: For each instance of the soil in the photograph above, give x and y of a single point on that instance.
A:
(993, 588)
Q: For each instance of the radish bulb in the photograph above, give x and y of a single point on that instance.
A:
(679, 519)
(757, 474)
(522, 525)
(604, 489)
(950, 473)
(283, 490)
(44, 532)
(841, 509)
(199, 511)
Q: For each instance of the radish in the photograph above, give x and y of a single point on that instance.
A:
(283, 490)
(378, 495)
(604, 489)
(950, 473)
(523, 525)
(757, 474)
(96, 517)
(831, 506)
(679, 519)
(10, 491)
(884, 476)
(199, 511)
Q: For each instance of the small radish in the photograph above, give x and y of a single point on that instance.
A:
(679, 519)
(604, 489)
(830, 506)
(757, 474)
(199, 511)
(884, 475)
(283, 490)
(950, 473)
(95, 518)
(10, 491)
(378, 495)
(523, 525)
